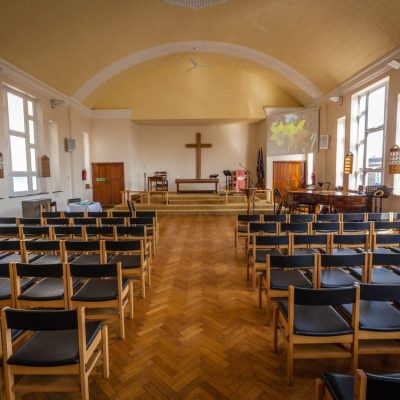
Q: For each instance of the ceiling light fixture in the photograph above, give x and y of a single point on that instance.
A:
(194, 4)
(394, 64)
(336, 99)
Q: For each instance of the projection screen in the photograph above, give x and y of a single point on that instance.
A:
(293, 132)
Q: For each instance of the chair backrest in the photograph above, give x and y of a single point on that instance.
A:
(353, 217)
(97, 214)
(123, 246)
(9, 231)
(84, 221)
(149, 221)
(343, 260)
(9, 220)
(356, 226)
(386, 226)
(310, 240)
(385, 240)
(385, 259)
(146, 214)
(378, 216)
(261, 228)
(112, 221)
(52, 214)
(42, 246)
(133, 231)
(291, 261)
(294, 227)
(57, 221)
(80, 246)
(39, 270)
(10, 246)
(74, 214)
(74, 200)
(271, 241)
(379, 292)
(325, 226)
(296, 218)
(44, 232)
(121, 214)
(350, 240)
(387, 386)
(324, 297)
(68, 231)
(41, 320)
(30, 221)
(94, 270)
(99, 231)
(327, 218)
(245, 218)
(275, 217)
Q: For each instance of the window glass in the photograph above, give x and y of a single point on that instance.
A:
(18, 154)
(31, 132)
(374, 150)
(16, 117)
(376, 108)
(33, 160)
(20, 184)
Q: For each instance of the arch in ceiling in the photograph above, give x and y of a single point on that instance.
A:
(199, 46)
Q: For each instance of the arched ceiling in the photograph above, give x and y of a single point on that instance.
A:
(66, 43)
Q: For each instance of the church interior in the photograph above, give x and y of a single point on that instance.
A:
(199, 199)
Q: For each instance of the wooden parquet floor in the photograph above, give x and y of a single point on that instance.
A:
(199, 334)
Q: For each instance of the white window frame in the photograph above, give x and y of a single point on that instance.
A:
(340, 148)
(29, 173)
(356, 143)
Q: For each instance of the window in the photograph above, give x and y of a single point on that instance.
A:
(310, 167)
(340, 142)
(21, 119)
(368, 136)
(54, 146)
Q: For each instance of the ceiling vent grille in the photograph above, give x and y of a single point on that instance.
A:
(194, 4)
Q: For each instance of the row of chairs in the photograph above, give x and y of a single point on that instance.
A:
(97, 287)
(325, 271)
(136, 262)
(293, 244)
(338, 323)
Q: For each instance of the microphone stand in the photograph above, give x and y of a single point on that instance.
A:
(250, 191)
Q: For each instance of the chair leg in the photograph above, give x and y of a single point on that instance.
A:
(106, 355)
(254, 277)
(236, 239)
(121, 322)
(143, 280)
(268, 307)
(131, 309)
(84, 385)
(289, 362)
(149, 274)
(275, 328)
(9, 380)
(319, 389)
(355, 355)
(260, 289)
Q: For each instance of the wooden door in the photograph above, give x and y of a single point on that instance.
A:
(288, 175)
(107, 181)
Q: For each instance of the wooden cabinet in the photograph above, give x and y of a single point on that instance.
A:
(31, 208)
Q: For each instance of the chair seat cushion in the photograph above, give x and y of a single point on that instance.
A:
(47, 289)
(376, 316)
(261, 255)
(384, 276)
(87, 259)
(5, 288)
(345, 251)
(97, 289)
(336, 277)
(127, 261)
(305, 252)
(16, 258)
(384, 250)
(280, 280)
(53, 348)
(341, 387)
(47, 259)
(317, 320)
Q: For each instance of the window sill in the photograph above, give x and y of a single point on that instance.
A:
(27, 195)
(57, 191)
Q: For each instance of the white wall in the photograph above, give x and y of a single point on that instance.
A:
(70, 123)
(150, 148)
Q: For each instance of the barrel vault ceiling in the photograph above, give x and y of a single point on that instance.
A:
(226, 61)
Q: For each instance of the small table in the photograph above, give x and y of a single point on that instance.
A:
(197, 181)
(157, 182)
(93, 206)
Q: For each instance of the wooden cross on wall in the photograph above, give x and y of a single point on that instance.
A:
(198, 146)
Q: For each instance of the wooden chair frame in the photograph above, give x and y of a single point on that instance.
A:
(286, 326)
(242, 233)
(88, 358)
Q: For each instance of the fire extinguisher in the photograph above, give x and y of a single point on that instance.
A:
(313, 178)
(84, 174)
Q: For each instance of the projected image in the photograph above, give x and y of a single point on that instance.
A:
(293, 133)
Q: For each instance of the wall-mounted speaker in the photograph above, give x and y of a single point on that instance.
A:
(324, 142)
(70, 144)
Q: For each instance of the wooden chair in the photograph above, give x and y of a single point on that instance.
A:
(97, 214)
(258, 229)
(104, 290)
(263, 245)
(74, 214)
(36, 233)
(356, 227)
(337, 270)
(379, 319)
(326, 227)
(92, 232)
(162, 183)
(385, 243)
(52, 214)
(330, 217)
(57, 221)
(150, 214)
(131, 207)
(283, 271)
(104, 221)
(62, 344)
(385, 227)
(9, 232)
(300, 218)
(242, 220)
(11, 251)
(30, 221)
(68, 232)
(384, 268)
(349, 243)
(150, 222)
(275, 218)
(131, 255)
(310, 324)
(85, 221)
(121, 214)
(295, 227)
(48, 291)
(353, 217)
(9, 221)
(361, 386)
